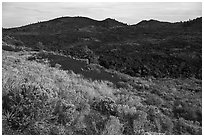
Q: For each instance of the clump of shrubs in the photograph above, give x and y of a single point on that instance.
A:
(153, 99)
(183, 126)
(113, 127)
(21, 105)
(187, 111)
(160, 122)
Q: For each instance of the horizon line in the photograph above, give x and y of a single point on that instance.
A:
(98, 20)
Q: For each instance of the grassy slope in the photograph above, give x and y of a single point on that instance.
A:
(39, 99)
(56, 84)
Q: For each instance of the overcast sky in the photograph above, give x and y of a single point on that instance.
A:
(18, 14)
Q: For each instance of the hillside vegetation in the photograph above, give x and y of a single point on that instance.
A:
(79, 76)
(39, 97)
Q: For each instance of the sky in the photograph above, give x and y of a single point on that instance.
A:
(16, 14)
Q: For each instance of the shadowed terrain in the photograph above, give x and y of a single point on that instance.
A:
(149, 48)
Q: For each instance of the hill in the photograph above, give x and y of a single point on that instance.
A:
(64, 24)
(149, 48)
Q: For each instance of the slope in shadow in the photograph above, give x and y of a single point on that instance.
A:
(89, 71)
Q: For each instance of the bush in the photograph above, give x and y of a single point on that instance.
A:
(22, 105)
(105, 106)
(188, 112)
(185, 127)
(113, 127)
(162, 123)
(155, 100)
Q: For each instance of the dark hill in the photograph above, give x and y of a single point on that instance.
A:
(195, 24)
(153, 23)
(112, 23)
(149, 48)
(65, 24)
(61, 32)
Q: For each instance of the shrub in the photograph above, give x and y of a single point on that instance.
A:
(155, 100)
(63, 112)
(162, 123)
(187, 111)
(95, 123)
(22, 104)
(185, 127)
(105, 106)
(140, 122)
(113, 127)
(128, 99)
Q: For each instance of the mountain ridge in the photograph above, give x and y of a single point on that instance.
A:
(78, 20)
(104, 20)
